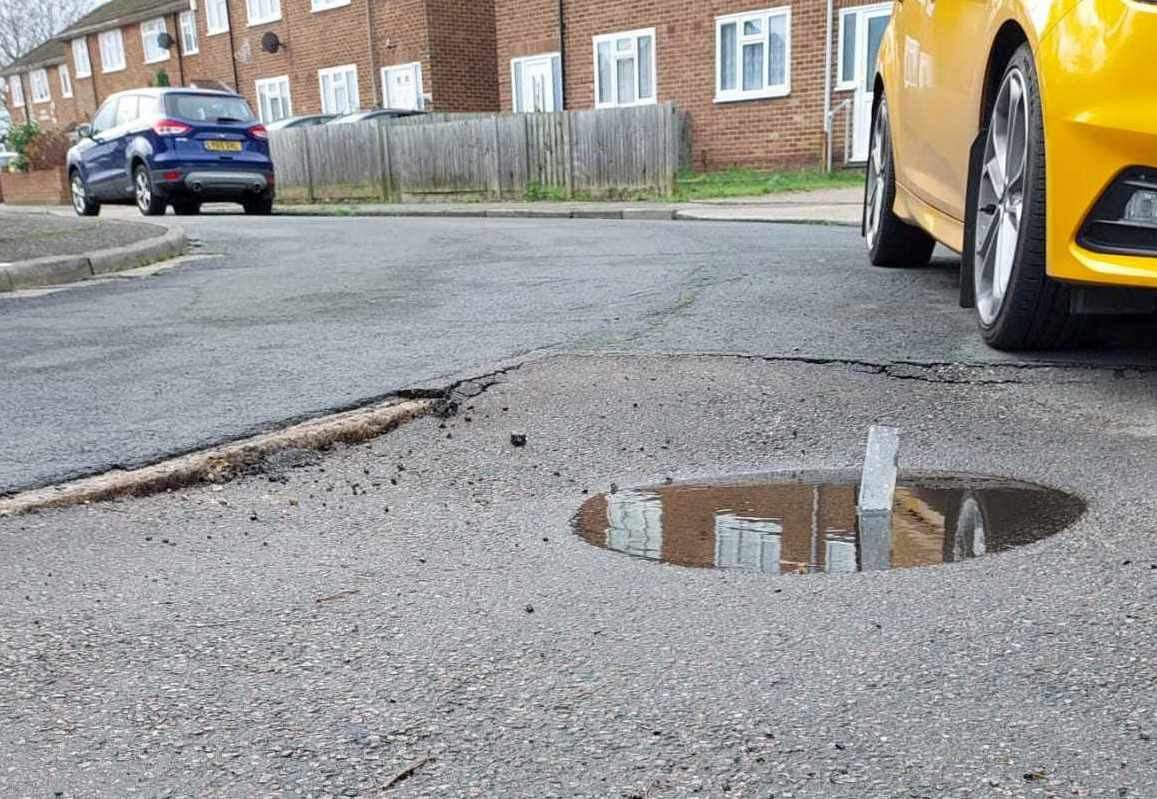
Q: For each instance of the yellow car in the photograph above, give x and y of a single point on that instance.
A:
(1022, 134)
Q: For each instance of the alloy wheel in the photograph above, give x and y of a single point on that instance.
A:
(875, 192)
(79, 197)
(1000, 199)
(144, 190)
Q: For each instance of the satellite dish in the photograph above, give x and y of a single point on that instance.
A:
(165, 41)
(270, 43)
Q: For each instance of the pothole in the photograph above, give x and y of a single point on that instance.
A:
(807, 523)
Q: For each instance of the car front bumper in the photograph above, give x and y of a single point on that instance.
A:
(1100, 117)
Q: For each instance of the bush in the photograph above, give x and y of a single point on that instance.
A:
(36, 149)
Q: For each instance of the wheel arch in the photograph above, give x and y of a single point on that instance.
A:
(1009, 37)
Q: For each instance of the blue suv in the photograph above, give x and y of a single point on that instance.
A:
(179, 147)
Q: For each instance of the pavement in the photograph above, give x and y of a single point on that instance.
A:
(414, 617)
(281, 319)
(50, 247)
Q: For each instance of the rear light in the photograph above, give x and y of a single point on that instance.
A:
(172, 174)
(259, 132)
(1124, 220)
(170, 127)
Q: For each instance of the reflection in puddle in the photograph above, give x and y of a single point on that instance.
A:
(797, 525)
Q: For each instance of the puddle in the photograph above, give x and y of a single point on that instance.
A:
(805, 524)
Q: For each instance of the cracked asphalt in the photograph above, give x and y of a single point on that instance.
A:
(295, 317)
(415, 617)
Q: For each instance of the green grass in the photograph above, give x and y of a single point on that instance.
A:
(751, 183)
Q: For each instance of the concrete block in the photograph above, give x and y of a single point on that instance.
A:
(877, 496)
(649, 214)
(592, 213)
(49, 271)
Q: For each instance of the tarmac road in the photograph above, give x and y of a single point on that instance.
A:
(291, 317)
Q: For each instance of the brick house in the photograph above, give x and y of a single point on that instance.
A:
(285, 56)
(758, 82)
(753, 78)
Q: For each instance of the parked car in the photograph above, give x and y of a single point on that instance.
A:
(1020, 135)
(373, 115)
(179, 147)
(309, 121)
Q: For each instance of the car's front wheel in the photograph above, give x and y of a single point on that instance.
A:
(891, 240)
(81, 200)
(148, 201)
(1018, 306)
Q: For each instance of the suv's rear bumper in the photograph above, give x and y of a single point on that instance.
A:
(214, 184)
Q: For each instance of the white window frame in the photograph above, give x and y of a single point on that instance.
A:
(522, 61)
(150, 30)
(110, 37)
(280, 82)
(326, 5)
(346, 69)
(634, 36)
(16, 91)
(257, 16)
(38, 86)
(187, 30)
(738, 94)
(861, 13)
(416, 67)
(65, 78)
(216, 17)
(80, 58)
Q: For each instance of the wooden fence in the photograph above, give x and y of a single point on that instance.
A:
(604, 153)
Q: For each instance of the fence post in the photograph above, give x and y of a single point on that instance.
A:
(384, 160)
(309, 193)
(496, 181)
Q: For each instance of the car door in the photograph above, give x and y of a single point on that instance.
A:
(120, 183)
(95, 159)
(944, 53)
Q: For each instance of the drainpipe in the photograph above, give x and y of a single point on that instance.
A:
(92, 75)
(177, 46)
(827, 89)
(233, 49)
(373, 57)
(562, 50)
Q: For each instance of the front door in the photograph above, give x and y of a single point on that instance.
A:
(538, 85)
(402, 86)
(864, 28)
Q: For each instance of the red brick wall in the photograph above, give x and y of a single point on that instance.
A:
(785, 131)
(462, 55)
(44, 187)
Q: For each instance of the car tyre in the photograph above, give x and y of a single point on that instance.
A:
(1019, 307)
(82, 202)
(892, 242)
(148, 201)
(261, 206)
(187, 208)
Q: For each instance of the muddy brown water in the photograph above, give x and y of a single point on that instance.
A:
(800, 524)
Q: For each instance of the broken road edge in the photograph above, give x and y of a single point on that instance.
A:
(223, 463)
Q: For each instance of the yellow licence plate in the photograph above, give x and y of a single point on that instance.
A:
(223, 146)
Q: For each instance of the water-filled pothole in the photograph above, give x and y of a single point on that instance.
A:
(798, 524)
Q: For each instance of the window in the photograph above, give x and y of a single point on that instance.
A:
(322, 5)
(216, 16)
(536, 83)
(339, 89)
(80, 57)
(847, 79)
(65, 81)
(187, 22)
(753, 55)
(625, 69)
(261, 11)
(273, 99)
(402, 87)
(112, 51)
(207, 107)
(16, 89)
(150, 32)
(126, 110)
(106, 117)
(38, 79)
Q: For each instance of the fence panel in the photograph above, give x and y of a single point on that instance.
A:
(345, 162)
(602, 153)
